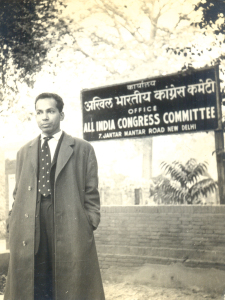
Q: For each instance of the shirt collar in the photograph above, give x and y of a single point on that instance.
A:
(56, 136)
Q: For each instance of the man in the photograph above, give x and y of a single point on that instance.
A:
(56, 209)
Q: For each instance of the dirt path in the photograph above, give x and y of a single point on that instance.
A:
(159, 282)
(126, 291)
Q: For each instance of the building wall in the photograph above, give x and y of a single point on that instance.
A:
(135, 235)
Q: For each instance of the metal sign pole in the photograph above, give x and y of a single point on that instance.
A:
(219, 141)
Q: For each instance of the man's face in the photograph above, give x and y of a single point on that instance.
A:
(48, 116)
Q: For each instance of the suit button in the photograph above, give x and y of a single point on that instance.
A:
(29, 188)
(26, 215)
(24, 243)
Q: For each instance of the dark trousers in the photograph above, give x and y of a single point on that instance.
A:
(44, 258)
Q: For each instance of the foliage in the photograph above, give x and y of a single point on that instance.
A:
(212, 15)
(124, 36)
(183, 183)
(3, 278)
(28, 29)
(212, 20)
(118, 40)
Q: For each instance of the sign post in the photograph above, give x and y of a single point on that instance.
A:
(219, 141)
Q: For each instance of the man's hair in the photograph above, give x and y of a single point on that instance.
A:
(57, 98)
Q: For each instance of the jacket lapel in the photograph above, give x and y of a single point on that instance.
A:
(65, 153)
(34, 153)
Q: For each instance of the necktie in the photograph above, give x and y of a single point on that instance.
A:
(44, 186)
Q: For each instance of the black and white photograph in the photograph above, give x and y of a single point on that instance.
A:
(112, 160)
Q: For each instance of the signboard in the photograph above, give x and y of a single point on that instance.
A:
(178, 103)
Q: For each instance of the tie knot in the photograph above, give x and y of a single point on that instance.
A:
(47, 138)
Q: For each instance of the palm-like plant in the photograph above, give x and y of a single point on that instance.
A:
(183, 183)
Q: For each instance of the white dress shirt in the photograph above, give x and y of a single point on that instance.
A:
(52, 142)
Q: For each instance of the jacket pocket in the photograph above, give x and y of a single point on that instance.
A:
(88, 218)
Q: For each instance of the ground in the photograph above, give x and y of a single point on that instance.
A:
(127, 291)
(131, 291)
(159, 282)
